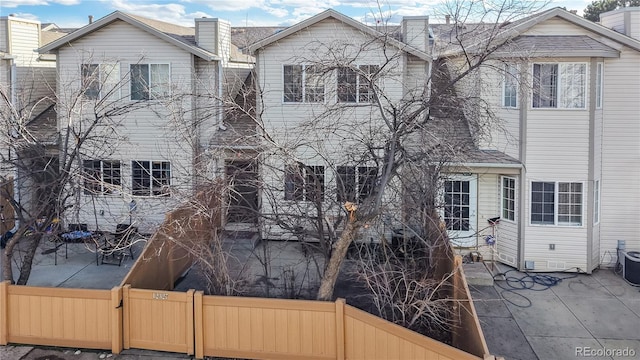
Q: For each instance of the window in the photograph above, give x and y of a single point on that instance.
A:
(303, 83)
(510, 86)
(542, 203)
(599, 74)
(355, 183)
(596, 202)
(100, 81)
(149, 178)
(101, 176)
(556, 203)
(356, 86)
(150, 81)
(559, 86)
(570, 203)
(509, 198)
(457, 205)
(304, 183)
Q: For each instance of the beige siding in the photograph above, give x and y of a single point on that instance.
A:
(504, 132)
(308, 131)
(620, 154)
(613, 20)
(488, 207)
(634, 24)
(4, 46)
(25, 39)
(156, 131)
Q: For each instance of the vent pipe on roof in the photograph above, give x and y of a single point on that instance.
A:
(447, 19)
(90, 19)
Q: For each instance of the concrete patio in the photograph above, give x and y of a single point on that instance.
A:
(579, 317)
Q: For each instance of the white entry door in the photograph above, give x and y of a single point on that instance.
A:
(460, 202)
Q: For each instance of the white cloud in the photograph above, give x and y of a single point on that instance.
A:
(15, 3)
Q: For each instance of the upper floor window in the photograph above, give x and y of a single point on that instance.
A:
(355, 183)
(357, 86)
(559, 86)
(150, 81)
(556, 203)
(303, 83)
(101, 176)
(510, 86)
(150, 178)
(100, 81)
(304, 182)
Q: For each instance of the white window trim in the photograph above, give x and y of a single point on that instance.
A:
(555, 205)
(116, 94)
(115, 189)
(150, 178)
(356, 68)
(585, 93)
(599, 87)
(304, 88)
(150, 85)
(506, 75)
(515, 199)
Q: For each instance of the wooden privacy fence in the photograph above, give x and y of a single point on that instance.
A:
(191, 323)
(169, 251)
(258, 328)
(61, 317)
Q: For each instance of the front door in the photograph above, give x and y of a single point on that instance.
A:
(243, 195)
(460, 208)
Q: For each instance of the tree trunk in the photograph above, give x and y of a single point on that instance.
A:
(328, 283)
(27, 261)
(7, 269)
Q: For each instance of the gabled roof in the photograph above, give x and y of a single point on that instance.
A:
(180, 36)
(501, 33)
(555, 46)
(330, 13)
(531, 21)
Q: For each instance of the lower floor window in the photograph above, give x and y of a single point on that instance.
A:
(556, 203)
(304, 182)
(150, 178)
(355, 183)
(457, 205)
(101, 176)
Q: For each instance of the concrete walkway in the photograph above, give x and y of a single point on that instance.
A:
(579, 317)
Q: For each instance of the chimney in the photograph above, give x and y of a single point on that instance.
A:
(415, 32)
(214, 35)
(90, 19)
(574, 12)
(625, 21)
(447, 19)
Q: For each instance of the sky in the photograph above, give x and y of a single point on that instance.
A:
(74, 13)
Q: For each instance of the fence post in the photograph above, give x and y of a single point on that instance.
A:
(457, 308)
(340, 341)
(126, 319)
(198, 313)
(4, 312)
(190, 321)
(116, 320)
